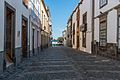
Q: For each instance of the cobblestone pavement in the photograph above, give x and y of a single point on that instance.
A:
(60, 63)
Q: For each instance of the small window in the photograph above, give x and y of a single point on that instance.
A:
(44, 28)
(103, 3)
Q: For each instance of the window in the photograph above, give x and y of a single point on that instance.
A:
(84, 39)
(85, 18)
(84, 32)
(44, 28)
(103, 31)
(74, 33)
(103, 3)
(74, 29)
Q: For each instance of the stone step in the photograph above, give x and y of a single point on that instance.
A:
(96, 62)
(100, 67)
(61, 75)
(55, 65)
(49, 63)
(48, 68)
(92, 78)
(67, 79)
(115, 75)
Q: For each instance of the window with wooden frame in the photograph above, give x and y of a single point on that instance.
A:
(103, 31)
(74, 33)
(74, 29)
(84, 32)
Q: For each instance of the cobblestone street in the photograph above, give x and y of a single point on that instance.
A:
(60, 63)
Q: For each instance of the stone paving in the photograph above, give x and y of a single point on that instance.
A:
(61, 63)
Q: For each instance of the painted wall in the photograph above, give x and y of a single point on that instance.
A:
(86, 6)
(111, 26)
(20, 10)
(74, 21)
(45, 19)
(35, 24)
(1, 25)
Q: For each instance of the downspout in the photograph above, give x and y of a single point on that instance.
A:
(93, 10)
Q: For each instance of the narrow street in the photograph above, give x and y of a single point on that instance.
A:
(61, 63)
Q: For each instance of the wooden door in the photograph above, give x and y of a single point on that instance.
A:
(24, 38)
(10, 36)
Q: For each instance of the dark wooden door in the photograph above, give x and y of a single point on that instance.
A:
(77, 42)
(24, 38)
(33, 31)
(10, 36)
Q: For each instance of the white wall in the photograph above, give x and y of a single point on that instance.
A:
(74, 21)
(111, 4)
(1, 25)
(86, 6)
(112, 27)
(20, 10)
(111, 20)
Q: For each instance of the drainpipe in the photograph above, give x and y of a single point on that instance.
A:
(93, 10)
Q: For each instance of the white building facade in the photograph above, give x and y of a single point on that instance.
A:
(85, 25)
(46, 25)
(14, 16)
(35, 26)
(75, 28)
(107, 27)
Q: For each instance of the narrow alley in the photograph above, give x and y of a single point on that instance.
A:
(61, 63)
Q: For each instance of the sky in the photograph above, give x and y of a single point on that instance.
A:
(60, 12)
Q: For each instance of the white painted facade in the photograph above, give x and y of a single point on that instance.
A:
(35, 24)
(46, 25)
(111, 20)
(74, 29)
(86, 7)
(20, 10)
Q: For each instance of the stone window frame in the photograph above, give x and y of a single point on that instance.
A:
(102, 3)
(84, 16)
(103, 20)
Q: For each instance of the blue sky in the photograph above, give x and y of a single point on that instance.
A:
(60, 13)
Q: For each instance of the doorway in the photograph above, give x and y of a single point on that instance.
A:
(24, 37)
(38, 41)
(9, 34)
(33, 33)
(78, 42)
